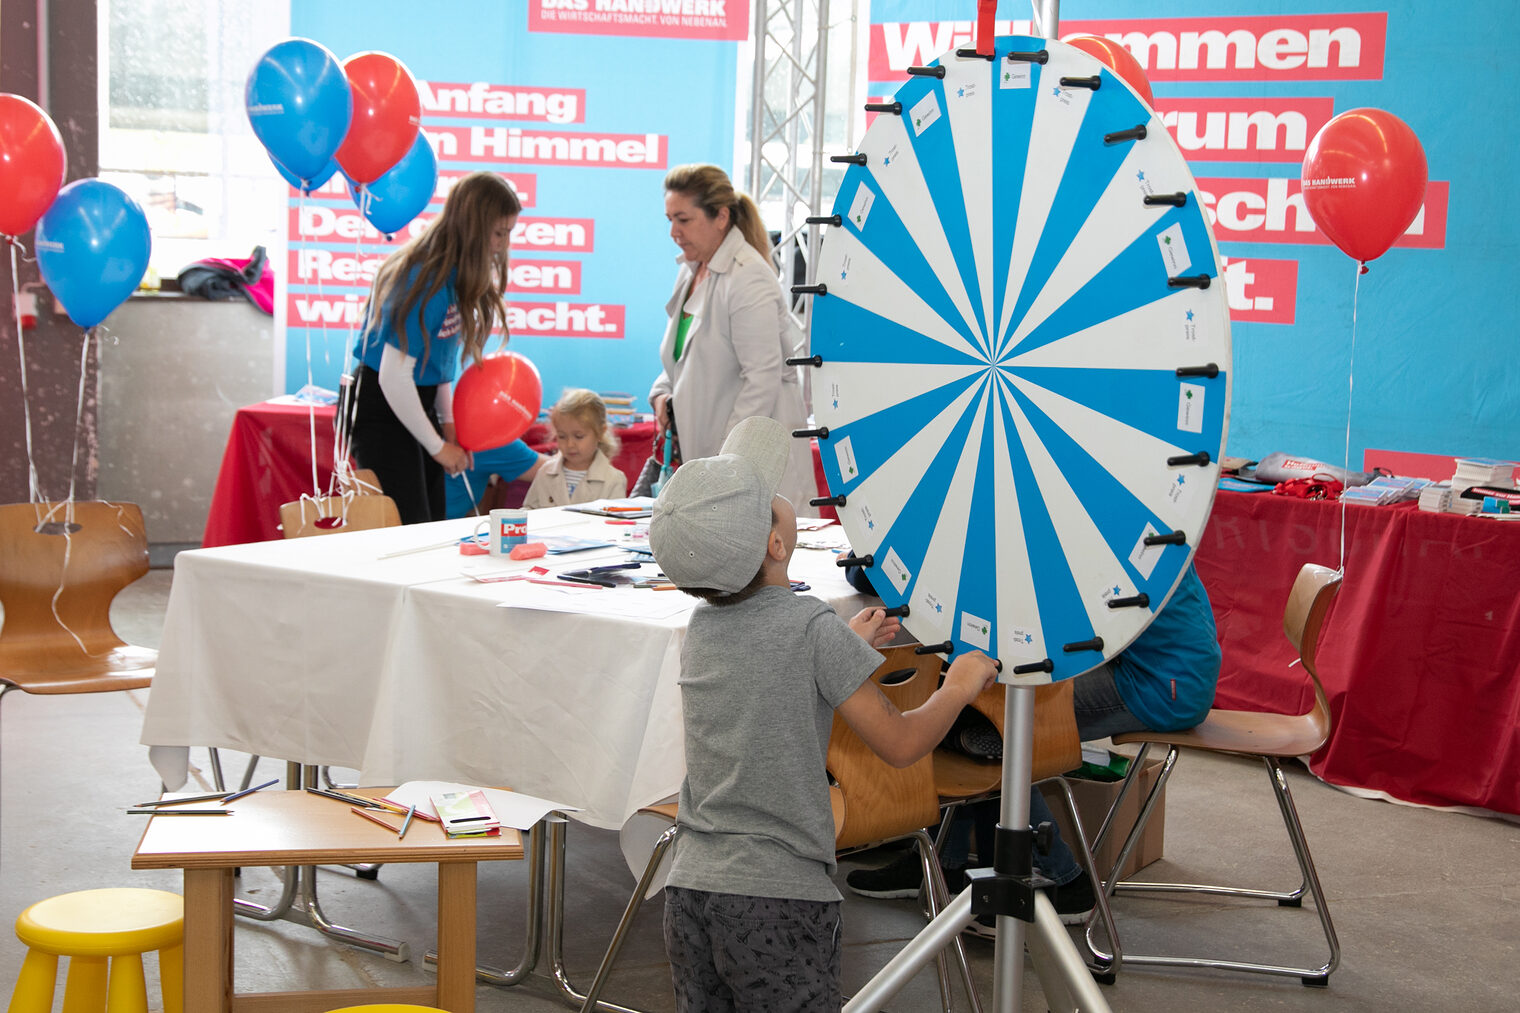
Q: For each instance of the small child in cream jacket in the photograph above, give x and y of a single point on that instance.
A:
(581, 470)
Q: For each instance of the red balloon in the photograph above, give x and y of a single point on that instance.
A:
(496, 400)
(387, 115)
(31, 164)
(1364, 181)
(1116, 58)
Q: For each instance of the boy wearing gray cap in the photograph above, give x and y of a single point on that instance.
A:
(751, 910)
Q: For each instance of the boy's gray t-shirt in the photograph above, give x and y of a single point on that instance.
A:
(760, 680)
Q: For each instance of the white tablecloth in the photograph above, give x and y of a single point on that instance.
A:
(318, 650)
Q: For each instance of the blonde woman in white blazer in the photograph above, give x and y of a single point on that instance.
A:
(729, 332)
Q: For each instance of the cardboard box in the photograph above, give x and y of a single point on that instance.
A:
(1094, 798)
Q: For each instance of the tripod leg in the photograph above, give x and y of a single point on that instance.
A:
(1063, 974)
(943, 931)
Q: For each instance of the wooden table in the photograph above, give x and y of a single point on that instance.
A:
(297, 828)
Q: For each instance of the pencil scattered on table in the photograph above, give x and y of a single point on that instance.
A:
(159, 811)
(375, 819)
(249, 791)
(411, 811)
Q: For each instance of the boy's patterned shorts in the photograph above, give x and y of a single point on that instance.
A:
(735, 953)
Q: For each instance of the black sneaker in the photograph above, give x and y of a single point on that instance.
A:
(899, 878)
(984, 927)
(1073, 901)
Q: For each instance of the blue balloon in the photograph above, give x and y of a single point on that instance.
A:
(402, 192)
(299, 105)
(92, 249)
(306, 185)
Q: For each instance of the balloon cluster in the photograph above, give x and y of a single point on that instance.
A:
(92, 239)
(316, 116)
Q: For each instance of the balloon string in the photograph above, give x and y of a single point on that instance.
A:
(84, 362)
(1356, 293)
(34, 488)
(311, 406)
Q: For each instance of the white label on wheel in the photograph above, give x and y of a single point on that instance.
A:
(929, 602)
(860, 207)
(1190, 325)
(844, 451)
(1015, 75)
(976, 631)
(896, 572)
(1190, 407)
(1145, 557)
(1021, 643)
(1174, 252)
(1180, 489)
(925, 113)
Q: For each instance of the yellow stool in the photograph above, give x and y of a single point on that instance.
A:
(90, 927)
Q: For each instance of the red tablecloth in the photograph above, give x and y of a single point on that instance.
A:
(268, 462)
(1421, 655)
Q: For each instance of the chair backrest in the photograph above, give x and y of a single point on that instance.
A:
(329, 515)
(882, 802)
(91, 550)
(1057, 747)
(1314, 590)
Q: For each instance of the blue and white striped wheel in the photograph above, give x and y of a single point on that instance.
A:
(1021, 373)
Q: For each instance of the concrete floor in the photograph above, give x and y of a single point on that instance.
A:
(1426, 904)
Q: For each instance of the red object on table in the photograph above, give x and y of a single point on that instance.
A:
(1421, 655)
(269, 455)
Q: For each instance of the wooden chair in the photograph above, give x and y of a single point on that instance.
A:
(1272, 738)
(872, 801)
(961, 780)
(61, 565)
(328, 515)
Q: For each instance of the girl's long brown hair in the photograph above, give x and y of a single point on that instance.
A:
(456, 245)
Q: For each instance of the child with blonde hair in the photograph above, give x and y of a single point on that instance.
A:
(581, 470)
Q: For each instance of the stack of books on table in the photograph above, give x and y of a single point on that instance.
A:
(1474, 472)
(1436, 498)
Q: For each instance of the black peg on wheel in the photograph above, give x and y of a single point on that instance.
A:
(1095, 644)
(1095, 82)
(818, 289)
(806, 360)
(1040, 56)
(927, 71)
(1189, 281)
(834, 501)
(822, 432)
(824, 220)
(895, 108)
(971, 53)
(1201, 458)
(1135, 133)
(1035, 666)
(866, 560)
(1141, 600)
(897, 610)
(1170, 538)
(1176, 200)
(948, 647)
(1210, 371)
(859, 158)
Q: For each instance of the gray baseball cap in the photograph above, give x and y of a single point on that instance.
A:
(713, 518)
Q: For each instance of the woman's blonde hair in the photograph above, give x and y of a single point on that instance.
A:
(588, 407)
(709, 188)
(456, 246)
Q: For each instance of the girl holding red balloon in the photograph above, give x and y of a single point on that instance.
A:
(441, 292)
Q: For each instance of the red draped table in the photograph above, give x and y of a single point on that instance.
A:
(1421, 656)
(268, 461)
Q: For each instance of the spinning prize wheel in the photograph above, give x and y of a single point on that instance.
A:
(1022, 349)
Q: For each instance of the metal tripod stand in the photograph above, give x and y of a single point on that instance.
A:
(1008, 891)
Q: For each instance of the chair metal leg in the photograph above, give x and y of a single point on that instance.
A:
(1311, 976)
(556, 926)
(662, 844)
(532, 939)
(1102, 912)
(938, 896)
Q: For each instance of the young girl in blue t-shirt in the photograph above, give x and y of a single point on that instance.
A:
(441, 292)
